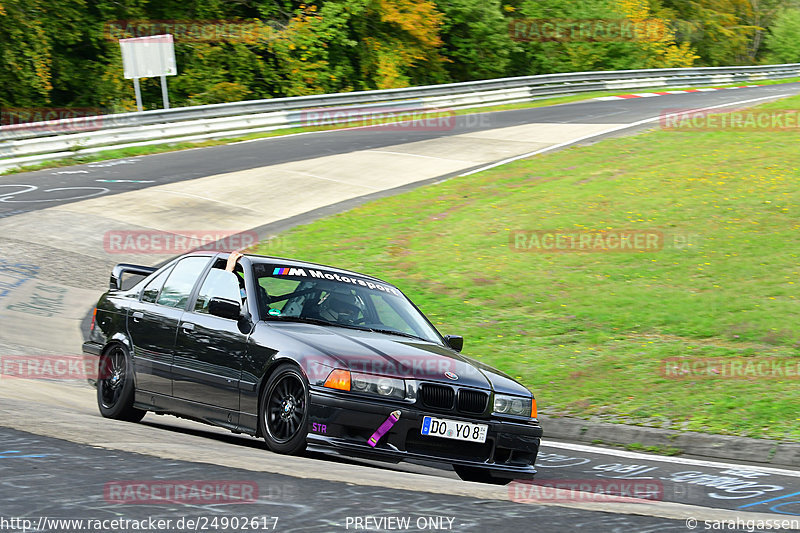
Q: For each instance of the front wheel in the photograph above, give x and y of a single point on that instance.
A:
(115, 386)
(284, 411)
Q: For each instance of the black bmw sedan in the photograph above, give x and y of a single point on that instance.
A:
(306, 356)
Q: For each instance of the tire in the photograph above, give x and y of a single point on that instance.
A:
(283, 412)
(479, 475)
(115, 388)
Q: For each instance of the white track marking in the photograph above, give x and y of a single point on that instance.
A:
(667, 458)
(30, 188)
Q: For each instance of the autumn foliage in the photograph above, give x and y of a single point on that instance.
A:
(61, 53)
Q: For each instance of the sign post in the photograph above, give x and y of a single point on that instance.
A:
(164, 93)
(138, 92)
(149, 57)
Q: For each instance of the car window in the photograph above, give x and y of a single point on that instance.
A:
(218, 284)
(270, 287)
(179, 285)
(150, 293)
(389, 316)
(317, 295)
(341, 305)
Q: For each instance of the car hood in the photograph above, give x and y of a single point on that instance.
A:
(391, 355)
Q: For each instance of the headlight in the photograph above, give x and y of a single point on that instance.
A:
(380, 385)
(372, 384)
(514, 405)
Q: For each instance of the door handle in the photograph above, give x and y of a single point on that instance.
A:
(188, 326)
(137, 316)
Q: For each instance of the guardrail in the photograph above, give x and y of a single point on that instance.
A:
(32, 143)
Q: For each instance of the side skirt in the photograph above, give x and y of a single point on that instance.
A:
(195, 411)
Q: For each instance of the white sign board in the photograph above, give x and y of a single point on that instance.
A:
(148, 57)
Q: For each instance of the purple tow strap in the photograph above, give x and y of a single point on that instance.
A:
(384, 428)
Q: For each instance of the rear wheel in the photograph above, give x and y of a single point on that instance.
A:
(479, 475)
(115, 386)
(284, 411)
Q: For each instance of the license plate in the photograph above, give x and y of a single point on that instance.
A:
(453, 429)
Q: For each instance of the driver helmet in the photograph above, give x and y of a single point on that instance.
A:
(344, 308)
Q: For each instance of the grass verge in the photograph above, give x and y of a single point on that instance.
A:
(167, 146)
(594, 334)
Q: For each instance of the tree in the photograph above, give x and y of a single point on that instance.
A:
(476, 39)
(725, 32)
(26, 54)
(657, 46)
(60, 53)
(761, 15)
(783, 40)
(596, 35)
(359, 44)
(401, 44)
(300, 53)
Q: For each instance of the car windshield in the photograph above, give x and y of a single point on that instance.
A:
(322, 297)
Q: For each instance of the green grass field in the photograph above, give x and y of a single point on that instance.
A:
(590, 332)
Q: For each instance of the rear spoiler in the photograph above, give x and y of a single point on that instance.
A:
(115, 283)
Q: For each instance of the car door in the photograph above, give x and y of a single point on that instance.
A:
(153, 323)
(209, 349)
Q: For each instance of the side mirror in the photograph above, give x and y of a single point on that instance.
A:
(224, 308)
(456, 342)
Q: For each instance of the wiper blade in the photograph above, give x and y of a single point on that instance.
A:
(283, 318)
(316, 321)
(399, 333)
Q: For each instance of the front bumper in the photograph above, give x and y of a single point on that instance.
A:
(343, 425)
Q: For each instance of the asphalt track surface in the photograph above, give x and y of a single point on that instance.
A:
(47, 471)
(17, 196)
(60, 480)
